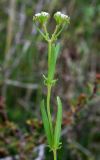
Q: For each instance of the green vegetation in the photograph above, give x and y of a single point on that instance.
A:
(23, 60)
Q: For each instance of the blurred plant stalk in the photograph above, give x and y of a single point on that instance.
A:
(9, 39)
(10, 27)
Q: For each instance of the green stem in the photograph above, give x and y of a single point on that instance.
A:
(49, 52)
(60, 31)
(43, 35)
(49, 91)
(55, 32)
(46, 32)
(55, 154)
(48, 106)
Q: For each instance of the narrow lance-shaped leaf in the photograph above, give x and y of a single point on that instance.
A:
(52, 63)
(46, 123)
(57, 132)
(57, 51)
(53, 59)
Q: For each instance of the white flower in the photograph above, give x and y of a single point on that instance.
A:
(37, 14)
(60, 17)
(41, 17)
(44, 13)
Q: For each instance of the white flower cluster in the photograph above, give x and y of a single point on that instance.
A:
(41, 17)
(60, 17)
(45, 14)
(37, 14)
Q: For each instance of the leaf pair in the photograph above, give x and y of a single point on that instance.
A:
(53, 137)
(53, 58)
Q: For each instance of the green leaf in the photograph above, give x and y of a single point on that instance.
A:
(57, 132)
(53, 59)
(57, 51)
(52, 63)
(46, 123)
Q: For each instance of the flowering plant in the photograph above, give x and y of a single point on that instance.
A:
(52, 133)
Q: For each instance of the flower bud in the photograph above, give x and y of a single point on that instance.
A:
(61, 18)
(41, 17)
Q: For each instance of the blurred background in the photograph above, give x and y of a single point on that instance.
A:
(23, 60)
